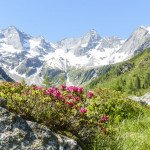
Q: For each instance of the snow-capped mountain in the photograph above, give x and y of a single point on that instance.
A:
(33, 57)
(138, 41)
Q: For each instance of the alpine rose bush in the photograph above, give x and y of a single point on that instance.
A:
(68, 108)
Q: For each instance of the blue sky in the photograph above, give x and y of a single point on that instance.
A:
(58, 19)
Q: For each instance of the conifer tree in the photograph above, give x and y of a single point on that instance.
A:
(148, 78)
(46, 82)
(130, 85)
(62, 81)
(145, 84)
(137, 83)
(23, 81)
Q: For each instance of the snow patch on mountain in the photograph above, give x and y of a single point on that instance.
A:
(146, 28)
(7, 49)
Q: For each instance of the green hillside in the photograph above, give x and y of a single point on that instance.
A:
(132, 76)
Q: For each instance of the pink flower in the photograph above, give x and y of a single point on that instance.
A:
(104, 119)
(75, 106)
(76, 98)
(80, 89)
(27, 93)
(72, 89)
(103, 130)
(103, 100)
(90, 94)
(69, 103)
(69, 96)
(39, 88)
(101, 121)
(55, 89)
(83, 110)
(68, 89)
(63, 87)
(62, 98)
(56, 94)
(49, 90)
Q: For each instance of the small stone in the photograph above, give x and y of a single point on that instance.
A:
(3, 102)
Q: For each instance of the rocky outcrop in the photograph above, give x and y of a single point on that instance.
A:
(19, 134)
(145, 99)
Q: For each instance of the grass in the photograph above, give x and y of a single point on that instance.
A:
(136, 134)
(129, 135)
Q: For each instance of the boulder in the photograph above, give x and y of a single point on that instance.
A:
(145, 99)
(19, 134)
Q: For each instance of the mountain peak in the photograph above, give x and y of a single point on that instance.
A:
(93, 31)
(145, 28)
(92, 34)
(12, 28)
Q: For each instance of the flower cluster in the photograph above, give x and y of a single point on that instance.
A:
(104, 119)
(69, 103)
(56, 94)
(69, 96)
(76, 99)
(90, 94)
(83, 110)
(49, 91)
(63, 87)
(39, 88)
(75, 89)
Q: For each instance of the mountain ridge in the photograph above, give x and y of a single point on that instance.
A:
(18, 50)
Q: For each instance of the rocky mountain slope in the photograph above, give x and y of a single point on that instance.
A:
(24, 56)
(4, 76)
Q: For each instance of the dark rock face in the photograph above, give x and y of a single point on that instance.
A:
(19, 134)
(3, 102)
(4, 76)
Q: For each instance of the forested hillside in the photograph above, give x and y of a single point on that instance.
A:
(132, 76)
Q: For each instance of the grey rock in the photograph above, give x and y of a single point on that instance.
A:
(145, 99)
(19, 134)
